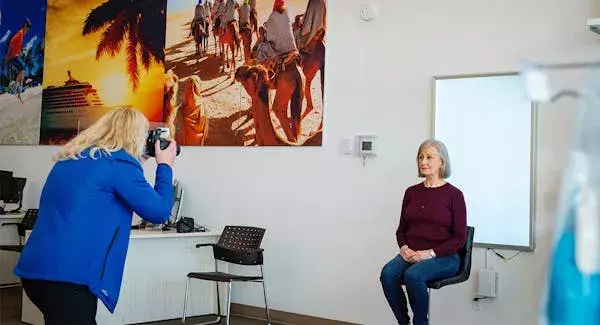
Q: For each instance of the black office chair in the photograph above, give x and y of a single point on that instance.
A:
(239, 245)
(26, 223)
(464, 270)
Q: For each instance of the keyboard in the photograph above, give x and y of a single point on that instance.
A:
(29, 219)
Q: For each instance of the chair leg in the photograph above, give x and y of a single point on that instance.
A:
(218, 301)
(266, 302)
(228, 302)
(216, 321)
(187, 288)
(10, 285)
(429, 304)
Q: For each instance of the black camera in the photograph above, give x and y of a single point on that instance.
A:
(158, 134)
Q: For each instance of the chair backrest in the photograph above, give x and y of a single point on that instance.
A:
(465, 253)
(464, 269)
(241, 238)
(240, 245)
(28, 221)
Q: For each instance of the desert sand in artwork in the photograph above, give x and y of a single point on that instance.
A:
(20, 122)
(228, 105)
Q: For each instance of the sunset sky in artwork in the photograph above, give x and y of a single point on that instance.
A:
(68, 49)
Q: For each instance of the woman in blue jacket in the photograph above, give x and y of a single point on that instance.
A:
(76, 252)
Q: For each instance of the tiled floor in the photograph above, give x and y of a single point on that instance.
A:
(10, 312)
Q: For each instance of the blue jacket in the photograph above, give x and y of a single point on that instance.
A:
(84, 221)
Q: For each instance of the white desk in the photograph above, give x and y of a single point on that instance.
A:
(154, 280)
(9, 236)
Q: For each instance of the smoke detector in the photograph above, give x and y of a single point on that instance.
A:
(368, 11)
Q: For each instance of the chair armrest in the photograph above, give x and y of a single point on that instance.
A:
(10, 224)
(204, 245)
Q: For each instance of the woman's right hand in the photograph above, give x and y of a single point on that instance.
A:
(406, 253)
(166, 156)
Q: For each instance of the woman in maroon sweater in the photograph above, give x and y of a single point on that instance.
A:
(433, 227)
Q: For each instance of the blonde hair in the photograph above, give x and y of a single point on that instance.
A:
(121, 128)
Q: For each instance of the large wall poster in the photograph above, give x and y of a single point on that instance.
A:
(22, 33)
(217, 92)
(101, 54)
(216, 72)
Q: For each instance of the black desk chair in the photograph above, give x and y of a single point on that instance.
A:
(464, 270)
(26, 223)
(239, 245)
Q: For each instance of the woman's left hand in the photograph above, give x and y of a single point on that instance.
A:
(420, 256)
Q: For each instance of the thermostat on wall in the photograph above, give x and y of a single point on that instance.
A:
(366, 145)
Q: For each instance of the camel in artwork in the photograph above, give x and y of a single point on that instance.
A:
(246, 35)
(170, 107)
(289, 82)
(200, 34)
(256, 82)
(313, 61)
(227, 40)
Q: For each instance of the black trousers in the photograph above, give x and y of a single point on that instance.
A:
(62, 303)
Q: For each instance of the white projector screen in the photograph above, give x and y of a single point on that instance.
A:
(488, 126)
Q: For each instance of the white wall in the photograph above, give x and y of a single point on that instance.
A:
(330, 220)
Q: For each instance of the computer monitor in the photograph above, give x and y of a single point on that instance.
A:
(5, 177)
(15, 190)
(177, 201)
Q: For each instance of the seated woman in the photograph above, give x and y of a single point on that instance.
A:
(277, 36)
(433, 227)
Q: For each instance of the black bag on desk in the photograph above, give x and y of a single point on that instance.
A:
(185, 224)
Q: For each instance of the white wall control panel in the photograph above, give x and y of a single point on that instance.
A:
(366, 145)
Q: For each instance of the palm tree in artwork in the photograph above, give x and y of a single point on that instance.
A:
(139, 25)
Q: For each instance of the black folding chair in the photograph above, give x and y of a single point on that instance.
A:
(238, 245)
(25, 224)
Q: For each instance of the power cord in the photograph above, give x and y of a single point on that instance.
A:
(502, 257)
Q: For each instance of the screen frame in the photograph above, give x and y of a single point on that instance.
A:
(533, 158)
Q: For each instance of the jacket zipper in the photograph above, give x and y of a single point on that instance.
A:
(112, 241)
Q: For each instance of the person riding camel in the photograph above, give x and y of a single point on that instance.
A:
(253, 15)
(297, 28)
(217, 13)
(229, 15)
(245, 10)
(200, 16)
(276, 34)
(313, 22)
(207, 7)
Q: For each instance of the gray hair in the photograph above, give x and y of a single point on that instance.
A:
(443, 152)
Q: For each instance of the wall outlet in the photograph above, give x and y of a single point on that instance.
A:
(487, 283)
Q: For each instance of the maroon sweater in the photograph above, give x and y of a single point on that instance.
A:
(433, 218)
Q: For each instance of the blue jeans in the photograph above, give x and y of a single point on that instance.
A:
(415, 276)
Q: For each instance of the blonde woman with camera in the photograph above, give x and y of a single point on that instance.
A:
(76, 252)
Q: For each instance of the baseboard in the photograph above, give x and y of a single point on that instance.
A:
(281, 317)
